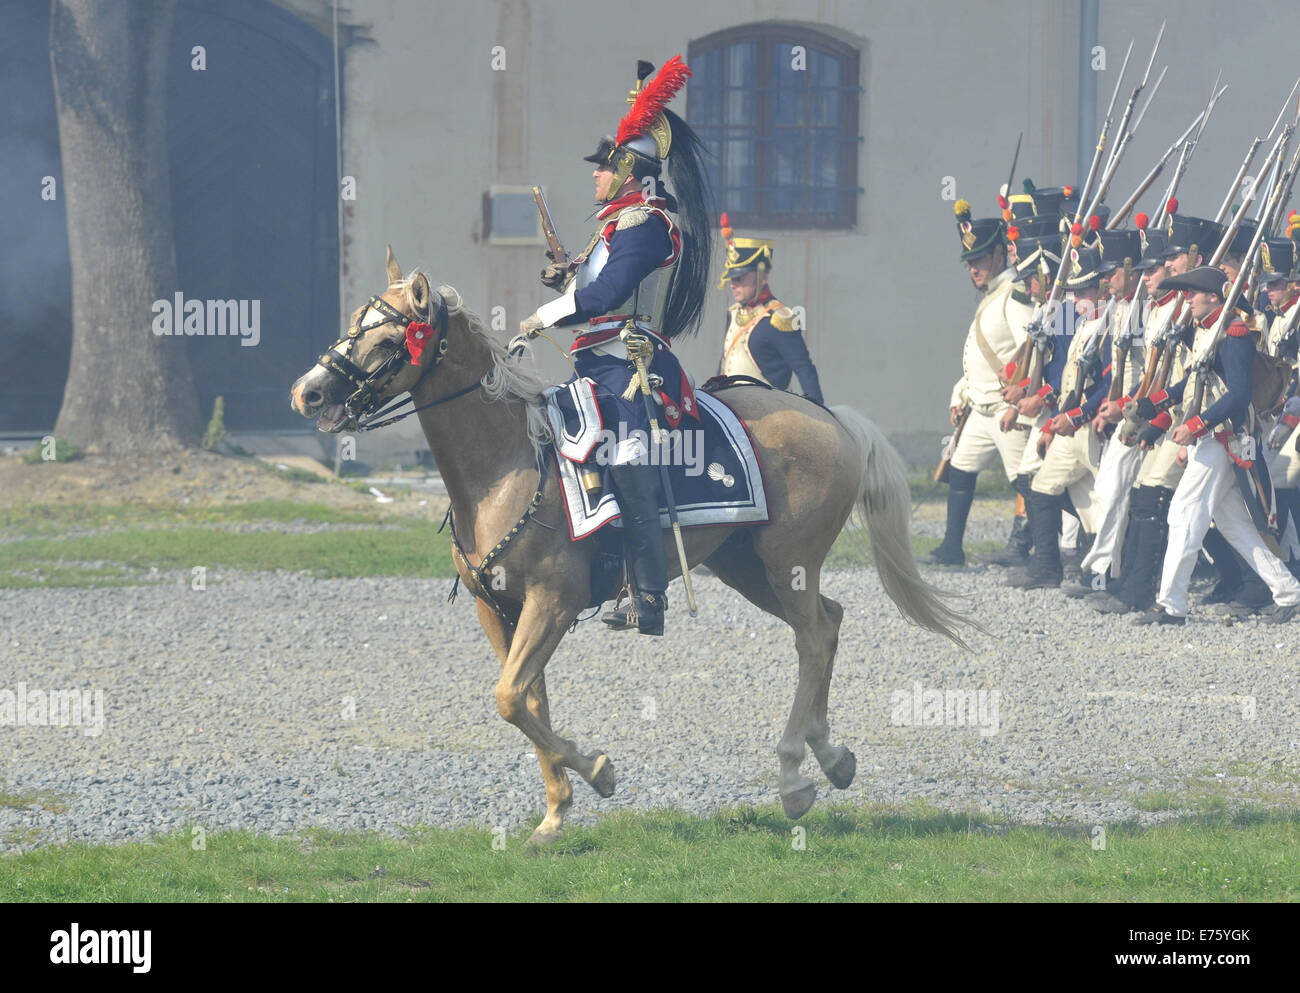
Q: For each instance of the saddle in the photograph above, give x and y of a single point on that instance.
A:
(712, 469)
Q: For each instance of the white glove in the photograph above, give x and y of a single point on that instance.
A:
(531, 325)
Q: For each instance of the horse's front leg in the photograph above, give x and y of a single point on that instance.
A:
(559, 791)
(542, 623)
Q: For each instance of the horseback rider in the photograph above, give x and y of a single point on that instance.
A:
(644, 271)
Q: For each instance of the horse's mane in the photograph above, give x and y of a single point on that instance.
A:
(507, 379)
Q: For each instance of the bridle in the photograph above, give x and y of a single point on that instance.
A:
(368, 387)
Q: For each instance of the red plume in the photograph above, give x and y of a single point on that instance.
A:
(724, 221)
(1142, 221)
(652, 99)
(1002, 202)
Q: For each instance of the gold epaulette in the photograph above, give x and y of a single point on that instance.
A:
(631, 217)
(782, 318)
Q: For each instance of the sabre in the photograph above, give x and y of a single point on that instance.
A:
(641, 349)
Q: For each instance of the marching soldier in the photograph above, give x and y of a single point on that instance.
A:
(1072, 448)
(1281, 423)
(1184, 238)
(649, 240)
(1122, 253)
(1208, 488)
(995, 335)
(762, 340)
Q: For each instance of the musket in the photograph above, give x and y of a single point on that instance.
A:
(1125, 133)
(1037, 331)
(1118, 217)
(1286, 193)
(1185, 159)
(1125, 137)
(558, 255)
(1014, 159)
(1165, 340)
(1088, 198)
(1235, 188)
(1205, 358)
(1124, 342)
(1087, 355)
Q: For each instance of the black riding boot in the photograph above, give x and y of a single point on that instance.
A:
(961, 494)
(1022, 538)
(1044, 570)
(637, 489)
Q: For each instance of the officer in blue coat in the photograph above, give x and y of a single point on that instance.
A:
(644, 271)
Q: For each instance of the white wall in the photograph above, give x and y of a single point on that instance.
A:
(428, 126)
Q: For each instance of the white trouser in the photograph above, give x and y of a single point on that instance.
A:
(1208, 491)
(1069, 467)
(982, 438)
(1120, 465)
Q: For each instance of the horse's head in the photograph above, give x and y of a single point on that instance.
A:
(373, 363)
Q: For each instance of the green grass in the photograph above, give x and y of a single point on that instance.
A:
(56, 518)
(853, 550)
(133, 539)
(413, 549)
(910, 854)
(988, 484)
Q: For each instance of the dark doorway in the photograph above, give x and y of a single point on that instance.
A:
(254, 202)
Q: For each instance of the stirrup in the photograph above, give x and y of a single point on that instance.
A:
(644, 612)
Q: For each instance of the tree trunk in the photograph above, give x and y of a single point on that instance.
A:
(127, 389)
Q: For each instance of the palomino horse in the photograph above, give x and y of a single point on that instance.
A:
(485, 425)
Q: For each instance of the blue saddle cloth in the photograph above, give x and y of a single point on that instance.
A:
(712, 467)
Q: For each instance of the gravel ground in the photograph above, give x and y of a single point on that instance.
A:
(277, 702)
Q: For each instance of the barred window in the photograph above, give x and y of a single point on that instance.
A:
(777, 107)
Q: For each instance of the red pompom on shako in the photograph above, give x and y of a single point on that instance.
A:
(1076, 228)
(1068, 191)
(1013, 233)
(1142, 221)
(1172, 206)
(1003, 202)
(1094, 223)
(417, 336)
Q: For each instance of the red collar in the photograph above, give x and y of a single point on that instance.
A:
(1289, 304)
(627, 200)
(1208, 320)
(1166, 298)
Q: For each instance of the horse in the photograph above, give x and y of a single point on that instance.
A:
(481, 410)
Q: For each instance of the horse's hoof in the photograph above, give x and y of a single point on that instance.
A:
(602, 777)
(799, 802)
(543, 835)
(842, 772)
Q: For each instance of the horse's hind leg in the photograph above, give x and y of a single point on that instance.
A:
(816, 622)
(837, 762)
(559, 791)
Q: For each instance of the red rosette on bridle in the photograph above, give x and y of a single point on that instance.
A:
(417, 336)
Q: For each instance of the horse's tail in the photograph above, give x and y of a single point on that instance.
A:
(884, 500)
